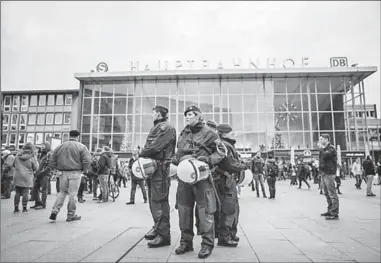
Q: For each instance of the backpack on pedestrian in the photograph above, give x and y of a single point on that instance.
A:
(272, 169)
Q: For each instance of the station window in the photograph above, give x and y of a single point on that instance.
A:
(58, 118)
(4, 139)
(21, 141)
(42, 100)
(65, 136)
(48, 135)
(50, 100)
(41, 118)
(22, 126)
(7, 103)
(24, 103)
(39, 138)
(49, 118)
(57, 135)
(30, 137)
(68, 99)
(32, 119)
(16, 103)
(14, 122)
(5, 122)
(67, 118)
(33, 100)
(12, 139)
(59, 100)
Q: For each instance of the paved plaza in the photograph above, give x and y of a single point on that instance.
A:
(287, 229)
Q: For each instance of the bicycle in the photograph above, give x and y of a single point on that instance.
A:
(113, 188)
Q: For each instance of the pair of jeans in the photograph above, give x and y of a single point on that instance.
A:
(40, 185)
(21, 191)
(58, 184)
(303, 179)
(271, 182)
(258, 178)
(82, 186)
(69, 185)
(7, 187)
(330, 193)
(134, 183)
(358, 180)
(103, 182)
(369, 184)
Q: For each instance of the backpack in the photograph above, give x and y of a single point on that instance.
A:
(94, 166)
(113, 164)
(272, 169)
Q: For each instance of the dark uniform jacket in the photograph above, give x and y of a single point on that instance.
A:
(368, 167)
(199, 140)
(161, 141)
(231, 163)
(44, 169)
(328, 160)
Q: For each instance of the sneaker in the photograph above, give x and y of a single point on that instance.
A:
(16, 210)
(24, 210)
(371, 194)
(53, 216)
(326, 214)
(74, 218)
(39, 207)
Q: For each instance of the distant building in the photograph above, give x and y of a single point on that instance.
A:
(37, 116)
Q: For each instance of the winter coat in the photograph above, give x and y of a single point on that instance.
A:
(25, 166)
(104, 163)
(328, 160)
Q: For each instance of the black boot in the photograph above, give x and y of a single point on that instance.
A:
(159, 241)
(24, 209)
(16, 209)
(151, 235)
(204, 252)
(183, 248)
(130, 203)
(228, 242)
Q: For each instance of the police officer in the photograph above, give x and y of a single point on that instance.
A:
(228, 171)
(160, 146)
(198, 141)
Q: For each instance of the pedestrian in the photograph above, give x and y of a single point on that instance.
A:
(104, 170)
(71, 158)
(136, 181)
(25, 165)
(303, 172)
(93, 173)
(41, 182)
(160, 146)
(228, 171)
(327, 168)
(271, 172)
(197, 140)
(257, 167)
(369, 170)
(7, 174)
(357, 172)
(293, 175)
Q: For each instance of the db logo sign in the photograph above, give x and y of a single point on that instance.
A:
(339, 62)
(102, 67)
(307, 153)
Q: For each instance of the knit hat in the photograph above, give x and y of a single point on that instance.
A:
(74, 133)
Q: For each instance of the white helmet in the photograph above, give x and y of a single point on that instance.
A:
(192, 171)
(143, 167)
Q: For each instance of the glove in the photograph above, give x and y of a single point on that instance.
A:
(205, 159)
(175, 160)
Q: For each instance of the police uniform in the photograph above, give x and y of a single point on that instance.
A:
(227, 172)
(160, 146)
(198, 140)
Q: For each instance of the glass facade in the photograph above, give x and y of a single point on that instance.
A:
(35, 118)
(275, 113)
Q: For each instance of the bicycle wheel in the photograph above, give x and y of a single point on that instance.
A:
(111, 192)
(116, 192)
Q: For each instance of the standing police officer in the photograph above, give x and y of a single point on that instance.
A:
(228, 170)
(160, 146)
(198, 141)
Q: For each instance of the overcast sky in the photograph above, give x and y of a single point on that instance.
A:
(44, 43)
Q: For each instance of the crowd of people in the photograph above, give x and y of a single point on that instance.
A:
(212, 202)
